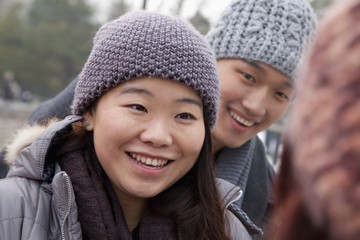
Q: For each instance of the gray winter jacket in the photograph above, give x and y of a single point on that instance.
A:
(32, 207)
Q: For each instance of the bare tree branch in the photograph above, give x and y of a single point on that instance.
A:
(144, 4)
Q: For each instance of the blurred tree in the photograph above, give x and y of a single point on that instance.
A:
(46, 42)
(178, 8)
(12, 37)
(118, 8)
(200, 22)
(320, 6)
(49, 46)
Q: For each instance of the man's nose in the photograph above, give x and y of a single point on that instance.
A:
(256, 101)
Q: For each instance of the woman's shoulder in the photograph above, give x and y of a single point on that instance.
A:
(21, 193)
(25, 209)
(236, 229)
(229, 193)
(20, 198)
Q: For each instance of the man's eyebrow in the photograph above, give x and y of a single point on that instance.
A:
(289, 84)
(255, 65)
(189, 100)
(135, 90)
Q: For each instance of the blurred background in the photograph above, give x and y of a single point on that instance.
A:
(44, 44)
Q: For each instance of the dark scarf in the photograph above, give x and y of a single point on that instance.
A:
(233, 164)
(100, 213)
(247, 168)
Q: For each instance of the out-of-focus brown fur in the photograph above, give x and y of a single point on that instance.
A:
(319, 184)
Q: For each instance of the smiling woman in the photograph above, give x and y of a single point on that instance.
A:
(156, 146)
(134, 161)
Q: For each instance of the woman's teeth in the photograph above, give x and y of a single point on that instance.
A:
(148, 162)
(241, 120)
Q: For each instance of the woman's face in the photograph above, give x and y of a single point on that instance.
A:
(148, 133)
(253, 96)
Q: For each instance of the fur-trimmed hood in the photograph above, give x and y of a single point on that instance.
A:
(27, 152)
(23, 138)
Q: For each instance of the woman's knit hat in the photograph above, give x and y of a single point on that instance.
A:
(148, 44)
(274, 32)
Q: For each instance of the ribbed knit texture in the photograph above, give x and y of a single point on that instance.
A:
(247, 167)
(233, 164)
(148, 44)
(274, 32)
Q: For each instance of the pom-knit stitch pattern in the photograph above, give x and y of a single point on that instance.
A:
(148, 44)
(274, 32)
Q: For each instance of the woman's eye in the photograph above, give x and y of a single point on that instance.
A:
(137, 107)
(186, 116)
(248, 76)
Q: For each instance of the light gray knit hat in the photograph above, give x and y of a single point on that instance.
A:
(274, 32)
(148, 44)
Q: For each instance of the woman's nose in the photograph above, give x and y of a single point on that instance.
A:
(157, 134)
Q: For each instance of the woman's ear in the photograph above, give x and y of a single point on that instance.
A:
(88, 121)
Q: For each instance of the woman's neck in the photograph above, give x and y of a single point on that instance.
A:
(133, 208)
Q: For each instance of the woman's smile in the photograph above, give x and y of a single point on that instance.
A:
(147, 161)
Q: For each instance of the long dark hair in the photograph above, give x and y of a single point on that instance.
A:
(193, 202)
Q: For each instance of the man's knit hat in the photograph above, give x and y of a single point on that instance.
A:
(274, 32)
(148, 44)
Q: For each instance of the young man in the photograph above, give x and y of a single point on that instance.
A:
(258, 45)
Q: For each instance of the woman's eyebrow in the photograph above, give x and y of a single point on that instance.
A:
(144, 91)
(135, 90)
(189, 100)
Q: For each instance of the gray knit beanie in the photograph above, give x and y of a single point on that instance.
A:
(274, 32)
(148, 44)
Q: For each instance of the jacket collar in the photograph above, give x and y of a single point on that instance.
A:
(231, 193)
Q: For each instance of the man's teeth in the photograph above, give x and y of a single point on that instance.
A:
(149, 161)
(241, 120)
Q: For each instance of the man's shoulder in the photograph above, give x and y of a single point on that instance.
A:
(260, 159)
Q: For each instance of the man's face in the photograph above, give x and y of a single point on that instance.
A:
(253, 96)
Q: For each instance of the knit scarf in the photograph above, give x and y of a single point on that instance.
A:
(233, 164)
(99, 211)
(246, 167)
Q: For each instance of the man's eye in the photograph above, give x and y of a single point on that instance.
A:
(137, 107)
(186, 116)
(248, 76)
(282, 95)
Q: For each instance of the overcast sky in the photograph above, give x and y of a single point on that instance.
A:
(210, 8)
